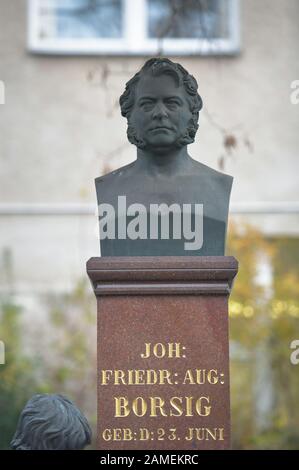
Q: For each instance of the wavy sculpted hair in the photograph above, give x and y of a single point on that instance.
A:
(157, 67)
(51, 422)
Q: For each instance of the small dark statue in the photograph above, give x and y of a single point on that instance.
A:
(161, 104)
(51, 422)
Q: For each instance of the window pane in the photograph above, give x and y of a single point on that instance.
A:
(81, 18)
(188, 18)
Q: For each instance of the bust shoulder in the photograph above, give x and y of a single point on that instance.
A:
(120, 172)
(214, 177)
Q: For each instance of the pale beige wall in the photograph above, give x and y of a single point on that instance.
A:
(57, 129)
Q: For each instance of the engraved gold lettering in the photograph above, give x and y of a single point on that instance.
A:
(119, 376)
(212, 434)
(147, 351)
(189, 406)
(176, 403)
(160, 350)
(139, 378)
(188, 379)
(106, 434)
(121, 407)
(202, 410)
(105, 376)
(117, 434)
(164, 376)
(136, 377)
(213, 376)
(151, 377)
(156, 406)
(157, 403)
(200, 377)
(174, 350)
(139, 407)
(144, 434)
(204, 434)
(127, 434)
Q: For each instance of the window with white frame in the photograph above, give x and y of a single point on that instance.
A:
(140, 27)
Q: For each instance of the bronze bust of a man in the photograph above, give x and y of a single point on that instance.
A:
(51, 422)
(164, 203)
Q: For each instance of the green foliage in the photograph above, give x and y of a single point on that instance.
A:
(268, 320)
(16, 375)
(72, 367)
(61, 357)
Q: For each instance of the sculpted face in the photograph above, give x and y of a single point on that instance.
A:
(161, 113)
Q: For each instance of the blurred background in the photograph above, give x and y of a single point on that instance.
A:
(63, 66)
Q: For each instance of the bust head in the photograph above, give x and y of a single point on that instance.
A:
(161, 104)
(51, 422)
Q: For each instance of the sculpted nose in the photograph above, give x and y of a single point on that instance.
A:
(159, 111)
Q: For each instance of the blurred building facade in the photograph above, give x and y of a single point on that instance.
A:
(60, 127)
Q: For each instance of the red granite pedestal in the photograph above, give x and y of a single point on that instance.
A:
(163, 353)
